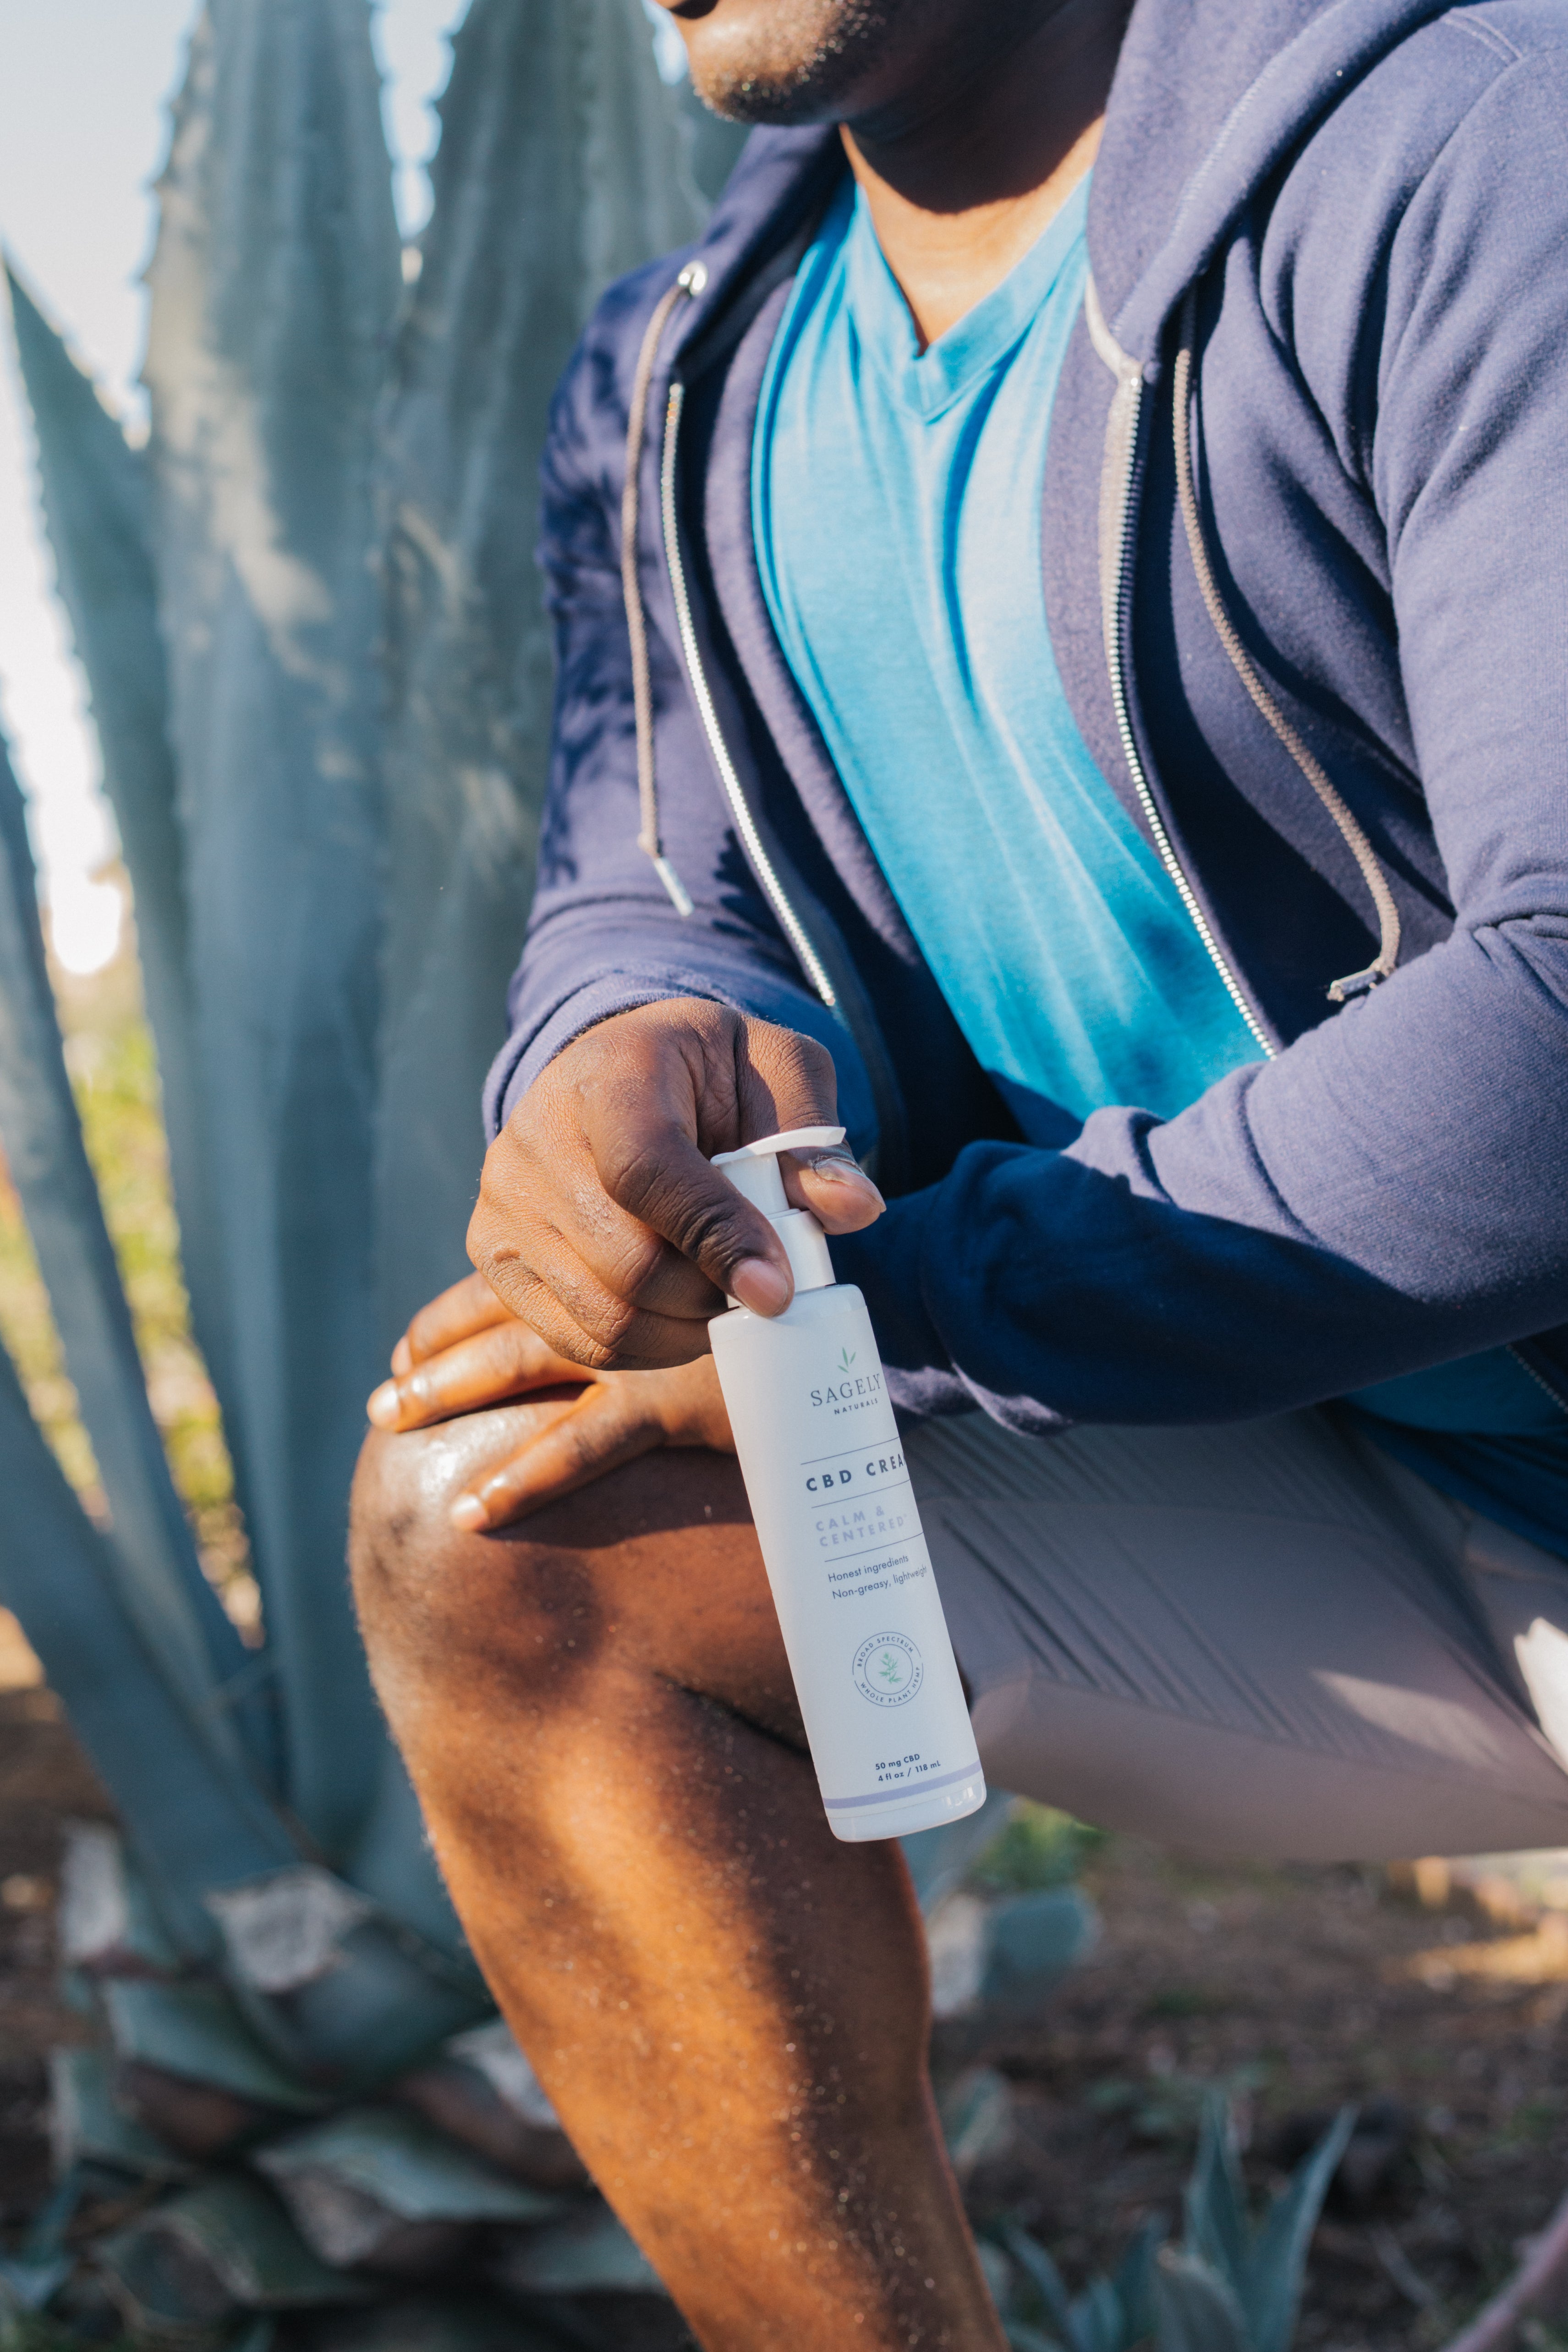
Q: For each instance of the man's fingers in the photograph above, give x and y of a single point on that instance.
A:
(590, 1326)
(603, 1430)
(467, 1306)
(833, 1187)
(600, 1220)
(507, 1361)
(782, 1079)
(658, 1175)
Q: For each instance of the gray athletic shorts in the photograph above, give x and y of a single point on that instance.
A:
(1264, 1640)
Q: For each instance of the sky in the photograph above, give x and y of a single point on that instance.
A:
(83, 127)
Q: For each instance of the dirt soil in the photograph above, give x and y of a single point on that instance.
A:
(1300, 1990)
(1294, 1989)
(45, 1781)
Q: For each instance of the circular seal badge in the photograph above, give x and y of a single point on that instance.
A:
(888, 1669)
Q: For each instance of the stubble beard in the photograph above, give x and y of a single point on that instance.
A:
(799, 65)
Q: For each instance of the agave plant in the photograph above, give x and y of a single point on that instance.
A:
(314, 642)
(1233, 2286)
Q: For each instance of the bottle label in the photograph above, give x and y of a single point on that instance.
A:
(840, 1534)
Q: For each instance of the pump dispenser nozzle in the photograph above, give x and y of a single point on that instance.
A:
(754, 1171)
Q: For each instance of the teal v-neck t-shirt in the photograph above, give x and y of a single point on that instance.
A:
(896, 500)
(897, 505)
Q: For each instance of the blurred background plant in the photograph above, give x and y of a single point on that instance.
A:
(112, 1063)
(1234, 2285)
(311, 630)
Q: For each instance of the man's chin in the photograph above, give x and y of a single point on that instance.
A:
(787, 61)
(755, 104)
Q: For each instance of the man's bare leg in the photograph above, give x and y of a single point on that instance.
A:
(727, 2006)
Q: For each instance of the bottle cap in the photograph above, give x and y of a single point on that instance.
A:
(754, 1171)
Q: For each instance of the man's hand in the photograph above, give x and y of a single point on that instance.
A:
(600, 1222)
(466, 1351)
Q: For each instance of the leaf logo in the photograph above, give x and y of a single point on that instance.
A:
(889, 1670)
(846, 1358)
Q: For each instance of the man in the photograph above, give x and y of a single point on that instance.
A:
(1067, 665)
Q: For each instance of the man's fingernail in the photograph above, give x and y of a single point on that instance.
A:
(846, 1172)
(468, 1513)
(382, 1407)
(760, 1285)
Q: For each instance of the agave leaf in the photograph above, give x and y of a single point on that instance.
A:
(713, 145)
(1042, 2273)
(193, 2031)
(434, 2322)
(976, 2115)
(1271, 2285)
(95, 504)
(34, 2274)
(1197, 2311)
(997, 2272)
(1031, 1941)
(342, 1993)
(193, 1819)
(1219, 2227)
(585, 2252)
(160, 1576)
(625, 146)
(338, 2176)
(1098, 2321)
(221, 2247)
(1135, 2280)
(88, 2127)
(273, 287)
(559, 167)
(107, 1923)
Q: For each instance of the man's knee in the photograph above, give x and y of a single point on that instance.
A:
(400, 1524)
(429, 1593)
(541, 1600)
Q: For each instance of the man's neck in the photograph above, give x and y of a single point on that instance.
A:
(959, 193)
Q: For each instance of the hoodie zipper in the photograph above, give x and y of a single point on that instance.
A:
(1130, 389)
(1131, 386)
(1146, 802)
(1556, 1394)
(762, 866)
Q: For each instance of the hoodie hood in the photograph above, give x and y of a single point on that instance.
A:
(1208, 100)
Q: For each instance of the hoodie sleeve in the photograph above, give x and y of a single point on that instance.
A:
(602, 935)
(1389, 1192)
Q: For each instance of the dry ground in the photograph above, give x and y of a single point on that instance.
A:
(1300, 1990)
(44, 1781)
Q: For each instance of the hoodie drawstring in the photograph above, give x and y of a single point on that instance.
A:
(1356, 983)
(691, 283)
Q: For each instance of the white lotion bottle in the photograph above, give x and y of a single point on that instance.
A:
(829, 1489)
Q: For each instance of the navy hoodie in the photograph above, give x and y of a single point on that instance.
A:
(1329, 247)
